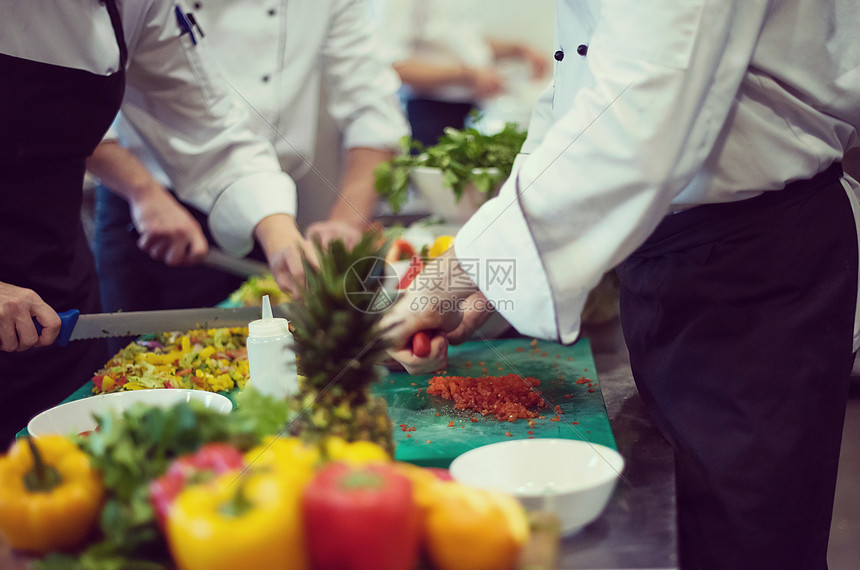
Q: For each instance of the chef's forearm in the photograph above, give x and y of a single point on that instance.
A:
(121, 171)
(276, 232)
(507, 49)
(358, 196)
(427, 77)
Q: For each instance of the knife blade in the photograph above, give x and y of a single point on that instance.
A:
(241, 267)
(75, 326)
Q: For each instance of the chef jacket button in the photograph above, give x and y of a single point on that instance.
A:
(559, 55)
(582, 49)
(272, 12)
(197, 5)
(265, 79)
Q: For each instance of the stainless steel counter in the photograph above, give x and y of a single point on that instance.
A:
(637, 529)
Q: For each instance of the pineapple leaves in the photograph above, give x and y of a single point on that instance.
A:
(339, 346)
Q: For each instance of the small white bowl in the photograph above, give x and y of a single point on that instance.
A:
(573, 479)
(77, 416)
(441, 200)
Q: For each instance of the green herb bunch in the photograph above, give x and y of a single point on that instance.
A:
(463, 156)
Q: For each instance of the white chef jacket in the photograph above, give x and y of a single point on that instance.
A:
(217, 162)
(275, 54)
(438, 32)
(675, 103)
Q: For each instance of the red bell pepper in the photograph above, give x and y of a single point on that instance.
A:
(361, 518)
(211, 460)
(399, 250)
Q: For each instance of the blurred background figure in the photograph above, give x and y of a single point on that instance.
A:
(309, 74)
(452, 64)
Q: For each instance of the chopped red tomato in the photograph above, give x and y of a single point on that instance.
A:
(399, 250)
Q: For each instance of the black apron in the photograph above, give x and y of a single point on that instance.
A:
(51, 120)
(739, 320)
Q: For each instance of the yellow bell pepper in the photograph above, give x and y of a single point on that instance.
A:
(50, 495)
(289, 456)
(251, 520)
(474, 529)
(357, 453)
(441, 245)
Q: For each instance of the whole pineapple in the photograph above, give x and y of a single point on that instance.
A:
(335, 326)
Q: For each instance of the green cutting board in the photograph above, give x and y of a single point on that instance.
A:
(434, 443)
(441, 432)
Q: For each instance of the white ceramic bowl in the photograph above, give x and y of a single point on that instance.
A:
(77, 416)
(441, 200)
(573, 479)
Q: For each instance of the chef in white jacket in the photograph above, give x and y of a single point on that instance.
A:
(447, 60)
(278, 57)
(695, 145)
(65, 66)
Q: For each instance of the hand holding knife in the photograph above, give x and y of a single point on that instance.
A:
(421, 339)
(77, 326)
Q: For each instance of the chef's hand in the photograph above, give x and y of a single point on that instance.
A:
(434, 302)
(436, 360)
(167, 231)
(329, 230)
(476, 310)
(18, 307)
(282, 242)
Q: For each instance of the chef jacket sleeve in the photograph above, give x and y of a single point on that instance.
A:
(654, 92)
(541, 120)
(185, 111)
(397, 28)
(362, 87)
(111, 134)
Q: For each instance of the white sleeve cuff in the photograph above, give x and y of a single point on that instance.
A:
(244, 203)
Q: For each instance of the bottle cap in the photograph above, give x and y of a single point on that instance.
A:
(267, 307)
(267, 326)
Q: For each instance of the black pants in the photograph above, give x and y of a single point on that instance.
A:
(739, 321)
(130, 280)
(428, 118)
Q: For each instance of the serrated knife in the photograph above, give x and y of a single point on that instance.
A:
(241, 267)
(75, 326)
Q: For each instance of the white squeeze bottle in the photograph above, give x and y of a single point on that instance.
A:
(271, 359)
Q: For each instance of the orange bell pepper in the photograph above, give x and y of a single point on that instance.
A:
(50, 495)
(473, 529)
